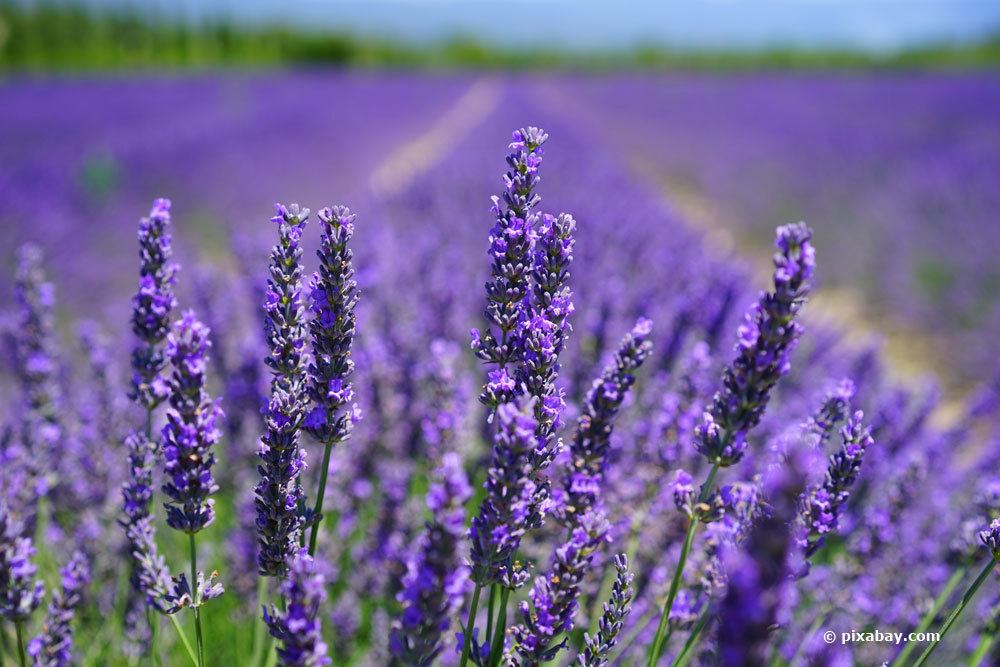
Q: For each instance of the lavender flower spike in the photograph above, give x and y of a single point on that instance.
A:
(334, 297)
(589, 451)
(505, 513)
(20, 592)
(511, 242)
(821, 506)
(191, 431)
(544, 332)
(152, 305)
(278, 494)
(553, 597)
(766, 340)
(53, 648)
(596, 649)
(298, 627)
(435, 582)
(150, 576)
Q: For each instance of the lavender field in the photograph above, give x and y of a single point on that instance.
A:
(259, 434)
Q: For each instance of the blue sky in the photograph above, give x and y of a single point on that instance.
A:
(589, 24)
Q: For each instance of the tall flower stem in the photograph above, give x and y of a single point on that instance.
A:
(982, 649)
(258, 630)
(469, 624)
(656, 648)
(692, 640)
(966, 599)
(196, 602)
(184, 639)
(324, 472)
(496, 645)
(20, 643)
(932, 613)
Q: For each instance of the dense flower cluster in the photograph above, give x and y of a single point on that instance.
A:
(767, 338)
(505, 513)
(588, 453)
(553, 600)
(398, 569)
(822, 505)
(53, 647)
(191, 431)
(597, 649)
(20, 591)
(152, 305)
(297, 626)
(279, 492)
(334, 295)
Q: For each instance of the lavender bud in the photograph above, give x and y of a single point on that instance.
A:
(822, 505)
(278, 494)
(766, 340)
(20, 592)
(552, 602)
(511, 242)
(334, 296)
(592, 441)
(53, 647)
(298, 628)
(191, 431)
(152, 305)
(991, 538)
(150, 575)
(597, 649)
(505, 513)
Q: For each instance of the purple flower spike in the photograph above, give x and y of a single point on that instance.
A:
(589, 451)
(20, 592)
(191, 431)
(597, 649)
(506, 512)
(334, 296)
(152, 305)
(53, 648)
(150, 576)
(765, 342)
(298, 627)
(278, 494)
(435, 581)
(822, 505)
(553, 599)
(512, 241)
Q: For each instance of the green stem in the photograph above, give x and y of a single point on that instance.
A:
(491, 609)
(154, 626)
(20, 643)
(692, 639)
(258, 628)
(656, 648)
(984, 646)
(184, 639)
(932, 613)
(966, 599)
(496, 645)
(324, 472)
(196, 601)
(470, 624)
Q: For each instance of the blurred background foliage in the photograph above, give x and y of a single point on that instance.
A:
(66, 36)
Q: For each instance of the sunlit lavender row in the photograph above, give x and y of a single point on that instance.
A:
(551, 427)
